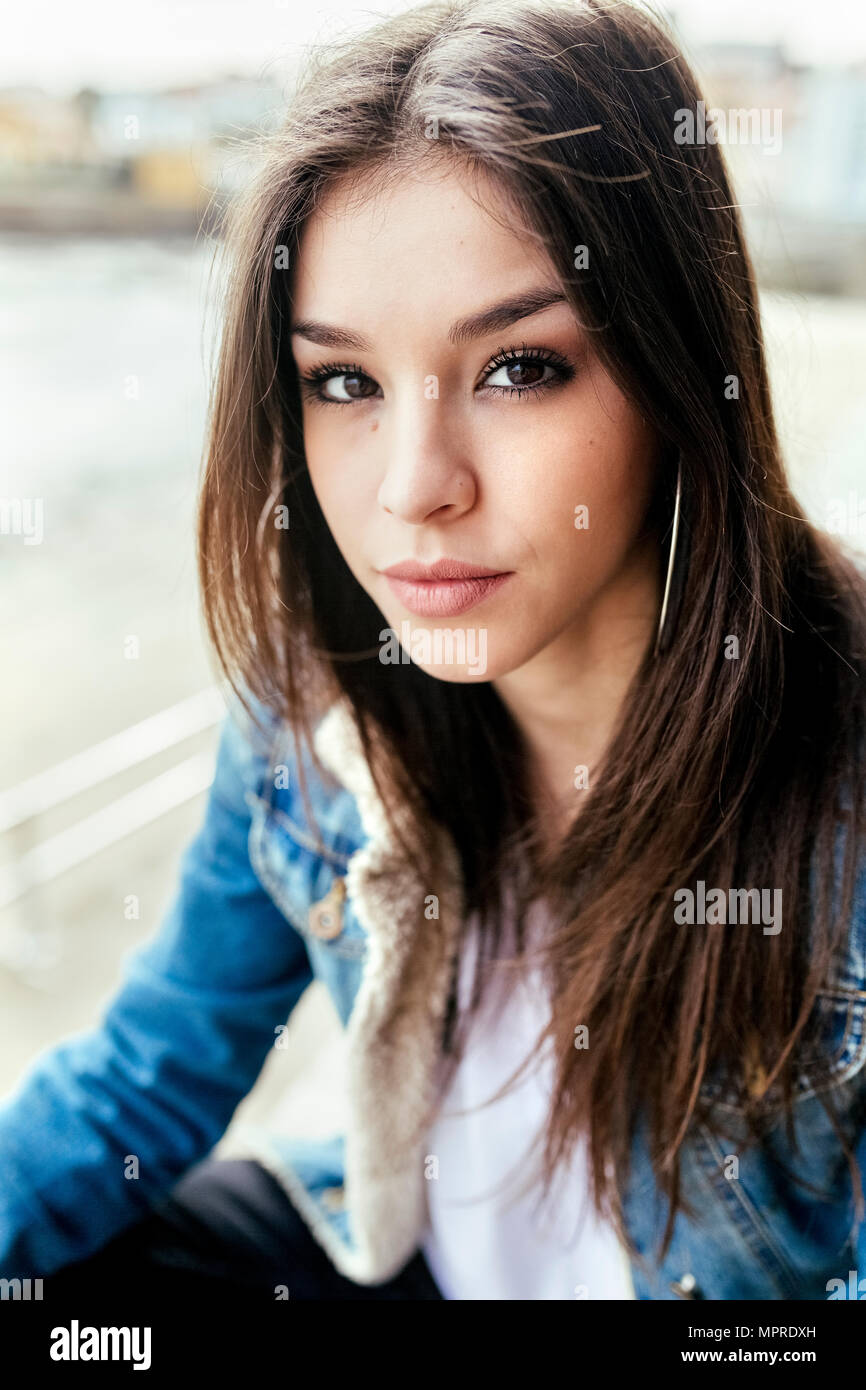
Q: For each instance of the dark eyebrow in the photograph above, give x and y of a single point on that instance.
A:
(490, 320)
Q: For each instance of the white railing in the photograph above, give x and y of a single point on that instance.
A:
(90, 769)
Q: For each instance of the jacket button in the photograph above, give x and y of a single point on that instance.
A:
(686, 1287)
(326, 917)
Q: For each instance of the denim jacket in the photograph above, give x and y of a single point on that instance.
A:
(102, 1125)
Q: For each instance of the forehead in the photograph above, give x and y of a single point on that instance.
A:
(421, 247)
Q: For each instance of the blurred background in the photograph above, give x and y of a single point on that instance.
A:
(123, 136)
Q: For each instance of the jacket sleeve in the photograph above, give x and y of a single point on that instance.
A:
(102, 1125)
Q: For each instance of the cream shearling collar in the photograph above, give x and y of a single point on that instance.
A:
(394, 1031)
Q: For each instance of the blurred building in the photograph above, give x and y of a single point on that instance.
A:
(804, 194)
(129, 161)
(167, 160)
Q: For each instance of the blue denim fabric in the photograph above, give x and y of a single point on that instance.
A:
(185, 1038)
(161, 1074)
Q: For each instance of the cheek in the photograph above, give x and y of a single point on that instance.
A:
(341, 489)
(586, 495)
(618, 481)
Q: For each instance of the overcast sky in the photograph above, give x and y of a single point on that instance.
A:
(106, 43)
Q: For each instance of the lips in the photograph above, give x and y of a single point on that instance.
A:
(446, 568)
(443, 589)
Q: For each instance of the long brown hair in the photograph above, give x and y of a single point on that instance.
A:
(733, 771)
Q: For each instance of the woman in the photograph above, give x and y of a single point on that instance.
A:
(555, 752)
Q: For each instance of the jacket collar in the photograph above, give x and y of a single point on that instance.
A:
(394, 1032)
(338, 744)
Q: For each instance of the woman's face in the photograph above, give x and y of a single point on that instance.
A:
(459, 413)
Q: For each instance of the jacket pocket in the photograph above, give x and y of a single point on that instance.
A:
(840, 1018)
(307, 883)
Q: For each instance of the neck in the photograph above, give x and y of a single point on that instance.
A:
(567, 700)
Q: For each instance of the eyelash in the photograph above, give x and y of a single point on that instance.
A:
(312, 382)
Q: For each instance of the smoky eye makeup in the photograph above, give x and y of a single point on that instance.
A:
(532, 361)
(527, 372)
(312, 383)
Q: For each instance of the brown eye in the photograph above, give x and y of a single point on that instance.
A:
(522, 374)
(351, 386)
(337, 383)
(525, 372)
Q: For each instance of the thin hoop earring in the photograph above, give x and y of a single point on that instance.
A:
(675, 530)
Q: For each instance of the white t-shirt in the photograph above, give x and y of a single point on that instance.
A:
(480, 1242)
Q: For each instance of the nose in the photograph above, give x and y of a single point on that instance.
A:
(428, 472)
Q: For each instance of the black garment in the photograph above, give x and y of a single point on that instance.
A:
(227, 1227)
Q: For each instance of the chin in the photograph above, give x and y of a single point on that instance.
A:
(455, 675)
